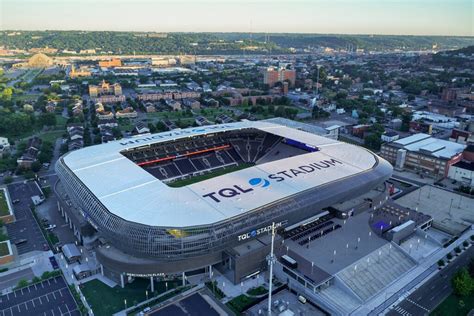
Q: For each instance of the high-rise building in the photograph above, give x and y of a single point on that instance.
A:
(273, 75)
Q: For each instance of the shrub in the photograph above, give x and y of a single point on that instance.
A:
(22, 283)
(465, 243)
(457, 250)
(449, 256)
(441, 262)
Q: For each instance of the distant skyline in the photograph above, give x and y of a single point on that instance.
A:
(394, 17)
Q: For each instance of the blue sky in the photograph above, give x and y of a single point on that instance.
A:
(426, 17)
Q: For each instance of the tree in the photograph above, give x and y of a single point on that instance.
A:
(22, 283)
(7, 180)
(36, 166)
(406, 119)
(373, 141)
(7, 94)
(47, 119)
(462, 283)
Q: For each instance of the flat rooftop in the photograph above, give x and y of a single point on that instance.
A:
(451, 212)
(135, 195)
(321, 250)
(427, 144)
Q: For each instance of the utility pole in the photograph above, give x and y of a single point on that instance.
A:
(317, 81)
(271, 261)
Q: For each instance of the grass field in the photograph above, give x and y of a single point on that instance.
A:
(51, 136)
(3, 204)
(455, 306)
(3, 249)
(213, 174)
(106, 301)
(240, 303)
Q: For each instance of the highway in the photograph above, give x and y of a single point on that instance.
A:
(428, 296)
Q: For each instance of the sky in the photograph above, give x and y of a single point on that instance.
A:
(406, 17)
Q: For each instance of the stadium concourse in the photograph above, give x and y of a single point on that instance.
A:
(186, 202)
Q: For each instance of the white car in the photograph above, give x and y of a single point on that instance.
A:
(51, 227)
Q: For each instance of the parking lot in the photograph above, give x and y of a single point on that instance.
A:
(25, 227)
(49, 297)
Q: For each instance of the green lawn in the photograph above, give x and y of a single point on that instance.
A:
(60, 121)
(51, 136)
(257, 291)
(452, 306)
(240, 303)
(3, 249)
(219, 172)
(107, 301)
(3, 204)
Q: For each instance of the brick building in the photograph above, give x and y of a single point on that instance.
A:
(273, 75)
(423, 154)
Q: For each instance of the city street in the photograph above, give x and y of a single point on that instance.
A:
(426, 298)
(12, 279)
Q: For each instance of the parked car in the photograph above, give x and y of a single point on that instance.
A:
(15, 201)
(50, 227)
(20, 241)
(54, 263)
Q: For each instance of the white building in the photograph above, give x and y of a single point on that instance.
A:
(463, 172)
(389, 136)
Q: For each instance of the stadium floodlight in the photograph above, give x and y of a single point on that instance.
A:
(271, 261)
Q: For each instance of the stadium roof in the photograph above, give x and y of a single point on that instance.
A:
(135, 195)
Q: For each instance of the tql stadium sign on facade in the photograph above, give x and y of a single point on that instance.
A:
(258, 231)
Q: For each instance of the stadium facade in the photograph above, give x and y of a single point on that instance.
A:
(152, 216)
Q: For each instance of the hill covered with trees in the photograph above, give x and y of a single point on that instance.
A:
(218, 43)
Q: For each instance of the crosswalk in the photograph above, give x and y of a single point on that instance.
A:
(402, 311)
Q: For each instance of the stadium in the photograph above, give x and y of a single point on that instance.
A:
(186, 200)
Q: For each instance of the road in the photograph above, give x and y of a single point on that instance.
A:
(12, 279)
(427, 297)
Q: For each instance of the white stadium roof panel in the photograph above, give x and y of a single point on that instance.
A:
(133, 194)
